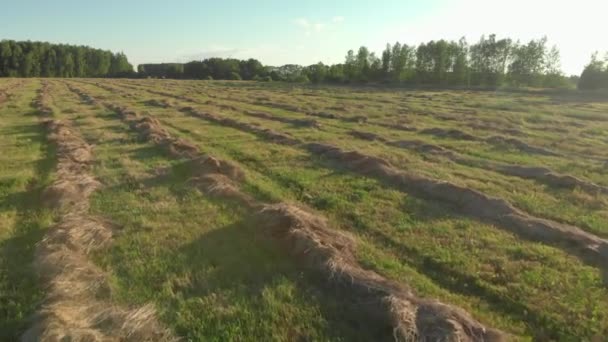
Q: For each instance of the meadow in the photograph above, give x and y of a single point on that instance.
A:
(266, 211)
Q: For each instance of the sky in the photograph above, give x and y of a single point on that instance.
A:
(301, 31)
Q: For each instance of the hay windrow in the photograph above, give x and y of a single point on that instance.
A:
(541, 174)
(591, 248)
(295, 122)
(473, 203)
(449, 133)
(369, 136)
(520, 145)
(307, 237)
(76, 306)
(267, 133)
(550, 177)
(7, 91)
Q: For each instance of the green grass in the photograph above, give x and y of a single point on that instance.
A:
(25, 165)
(213, 275)
(491, 273)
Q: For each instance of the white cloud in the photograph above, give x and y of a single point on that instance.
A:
(302, 22)
(310, 26)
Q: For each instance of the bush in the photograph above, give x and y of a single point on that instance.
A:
(235, 76)
(300, 79)
(267, 79)
(209, 78)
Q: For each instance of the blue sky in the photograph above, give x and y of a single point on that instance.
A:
(303, 32)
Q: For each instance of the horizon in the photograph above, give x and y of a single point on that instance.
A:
(313, 32)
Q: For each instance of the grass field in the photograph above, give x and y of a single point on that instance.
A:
(265, 211)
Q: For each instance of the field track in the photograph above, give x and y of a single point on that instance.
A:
(164, 209)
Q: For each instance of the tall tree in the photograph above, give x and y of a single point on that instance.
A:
(386, 61)
(595, 75)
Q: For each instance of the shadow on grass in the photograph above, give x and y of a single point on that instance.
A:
(19, 288)
(447, 277)
(240, 261)
(240, 281)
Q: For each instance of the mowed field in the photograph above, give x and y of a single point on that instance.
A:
(223, 211)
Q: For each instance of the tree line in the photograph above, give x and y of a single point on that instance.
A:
(490, 62)
(40, 59)
(595, 74)
(210, 68)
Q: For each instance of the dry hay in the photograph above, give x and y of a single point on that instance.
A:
(221, 105)
(366, 135)
(541, 174)
(283, 106)
(42, 101)
(83, 96)
(332, 253)
(308, 238)
(423, 147)
(487, 126)
(325, 115)
(73, 309)
(468, 201)
(474, 203)
(164, 103)
(398, 126)
(356, 118)
(448, 133)
(295, 122)
(7, 92)
(267, 133)
(520, 145)
(550, 177)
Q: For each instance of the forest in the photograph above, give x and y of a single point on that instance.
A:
(491, 62)
(41, 59)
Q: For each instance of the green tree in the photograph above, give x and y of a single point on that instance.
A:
(49, 63)
(6, 54)
(350, 66)
(460, 69)
(317, 72)
(386, 61)
(594, 76)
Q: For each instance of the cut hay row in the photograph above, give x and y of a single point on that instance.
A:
(591, 248)
(76, 305)
(316, 246)
(8, 89)
(538, 173)
(496, 140)
(295, 122)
